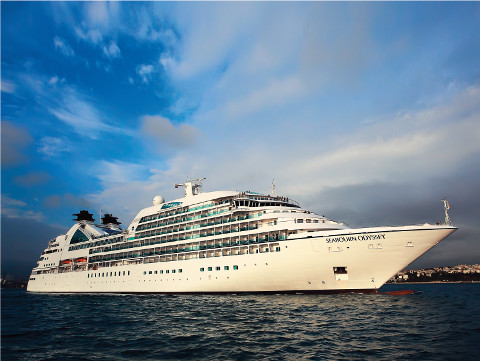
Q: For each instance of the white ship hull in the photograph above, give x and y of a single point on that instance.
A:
(344, 260)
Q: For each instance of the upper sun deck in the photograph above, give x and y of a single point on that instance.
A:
(195, 200)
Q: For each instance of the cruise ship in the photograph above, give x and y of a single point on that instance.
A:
(228, 242)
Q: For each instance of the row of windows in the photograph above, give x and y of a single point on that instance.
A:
(214, 231)
(184, 247)
(161, 271)
(105, 274)
(309, 221)
(180, 211)
(50, 251)
(197, 217)
(96, 243)
(218, 268)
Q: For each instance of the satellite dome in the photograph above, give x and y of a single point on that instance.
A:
(158, 200)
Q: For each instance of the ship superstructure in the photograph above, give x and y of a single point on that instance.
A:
(227, 242)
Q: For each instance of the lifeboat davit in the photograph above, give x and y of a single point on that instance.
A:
(81, 259)
(67, 261)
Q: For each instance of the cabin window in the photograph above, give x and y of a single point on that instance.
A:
(149, 272)
(299, 220)
(180, 270)
(202, 269)
(88, 276)
(217, 268)
(209, 268)
(235, 267)
(129, 273)
(167, 271)
(173, 271)
(144, 272)
(155, 272)
(161, 271)
(226, 268)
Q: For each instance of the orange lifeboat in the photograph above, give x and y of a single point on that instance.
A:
(67, 261)
(81, 259)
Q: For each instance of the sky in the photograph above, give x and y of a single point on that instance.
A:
(368, 113)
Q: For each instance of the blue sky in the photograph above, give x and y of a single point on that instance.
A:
(365, 112)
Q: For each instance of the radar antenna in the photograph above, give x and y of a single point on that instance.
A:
(446, 207)
(273, 187)
(191, 187)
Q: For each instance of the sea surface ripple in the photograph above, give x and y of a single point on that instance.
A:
(439, 323)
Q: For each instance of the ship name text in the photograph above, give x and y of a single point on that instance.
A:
(364, 237)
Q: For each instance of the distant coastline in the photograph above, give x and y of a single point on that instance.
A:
(450, 274)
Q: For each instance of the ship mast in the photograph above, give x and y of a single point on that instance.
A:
(191, 187)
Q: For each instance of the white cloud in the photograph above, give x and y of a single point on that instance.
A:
(111, 51)
(12, 202)
(276, 93)
(145, 72)
(63, 46)
(54, 147)
(78, 111)
(204, 46)
(8, 86)
(118, 172)
(13, 208)
(94, 37)
(53, 80)
(429, 143)
(102, 14)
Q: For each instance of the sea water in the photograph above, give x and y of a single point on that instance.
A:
(440, 322)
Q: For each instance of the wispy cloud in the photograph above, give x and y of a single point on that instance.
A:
(118, 172)
(80, 114)
(112, 50)
(13, 208)
(94, 37)
(54, 147)
(8, 86)
(63, 46)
